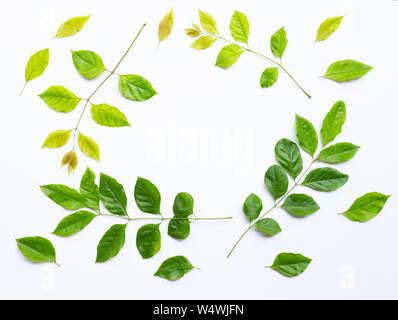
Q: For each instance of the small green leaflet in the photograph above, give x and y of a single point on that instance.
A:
(111, 243)
(60, 99)
(108, 116)
(366, 207)
(74, 223)
(36, 65)
(37, 249)
(228, 56)
(71, 26)
(252, 207)
(179, 228)
(300, 205)
(239, 27)
(112, 195)
(306, 135)
(346, 70)
(194, 31)
(174, 268)
(325, 179)
(64, 196)
(147, 196)
(269, 77)
(288, 155)
(208, 23)
(333, 122)
(290, 264)
(135, 87)
(337, 153)
(88, 63)
(89, 190)
(148, 240)
(327, 27)
(279, 43)
(88, 146)
(166, 26)
(276, 181)
(203, 42)
(57, 139)
(268, 226)
(183, 205)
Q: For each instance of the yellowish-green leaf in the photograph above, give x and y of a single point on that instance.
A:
(327, 27)
(166, 26)
(279, 42)
(106, 115)
(57, 139)
(88, 63)
(88, 146)
(208, 23)
(37, 64)
(60, 99)
(71, 26)
(203, 42)
(228, 56)
(135, 87)
(239, 27)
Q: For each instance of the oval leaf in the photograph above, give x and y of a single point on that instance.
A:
(252, 207)
(37, 249)
(57, 139)
(64, 196)
(60, 99)
(366, 207)
(269, 77)
(327, 27)
(290, 264)
(208, 23)
(183, 205)
(289, 157)
(37, 64)
(337, 153)
(111, 243)
(108, 116)
(88, 146)
(300, 205)
(325, 179)
(268, 226)
(71, 26)
(276, 181)
(239, 27)
(174, 268)
(306, 135)
(112, 195)
(279, 43)
(148, 240)
(179, 228)
(88, 63)
(333, 122)
(166, 25)
(89, 190)
(74, 223)
(147, 196)
(228, 56)
(135, 87)
(346, 70)
(203, 42)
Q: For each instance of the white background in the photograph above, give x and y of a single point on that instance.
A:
(210, 132)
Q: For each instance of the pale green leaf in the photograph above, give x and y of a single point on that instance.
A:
(239, 27)
(60, 99)
(327, 27)
(71, 26)
(108, 116)
(208, 23)
(203, 42)
(269, 77)
(88, 146)
(279, 42)
(56, 139)
(366, 207)
(37, 64)
(135, 87)
(166, 25)
(346, 70)
(88, 63)
(333, 122)
(228, 56)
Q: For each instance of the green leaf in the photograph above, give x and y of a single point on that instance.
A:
(135, 87)
(366, 207)
(174, 268)
(112, 195)
(268, 77)
(276, 181)
(37, 249)
(333, 122)
(228, 56)
(89, 190)
(179, 228)
(279, 43)
(252, 207)
(108, 116)
(111, 243)
(183, 205)
(300, 205)
(208, 23)
(269, 226)
(148, 240)
(290, 264)
(88, 146)
(166, 26)
(203, 42)
(147, 196)
(289, 157)
(346, 70)
(74, 223)
(88, 63)
(60, 99)
(37, 64)
(337, 153)
(325, 179)
(57, 139)
(239, 27)
(64, 196)
(71, 26)
(306, 135)
(327, 27)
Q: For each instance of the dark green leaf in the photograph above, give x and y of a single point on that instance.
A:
(289, 157)
(300, 205)
(64, 196)
(338, 153)
(228, 55)
(306, 135)
(325, 179)
(148, 240)
(290, 264)
(135, 87)
(366, 207)
(239, 27)
(89, 190)
(269, 77)
(279, 42)
(252, 207)
(183, 205)
(74, 223)
(37, 249)
(88, 63)
(333, 122)
(147, 196)
(60, 99)
(269, 226)
(112, 195)
(346, 70)
(276, 181)
(174, 268)
(179, 228)
(111, 243)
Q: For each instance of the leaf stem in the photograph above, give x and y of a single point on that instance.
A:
(162, 218)
(23, 89)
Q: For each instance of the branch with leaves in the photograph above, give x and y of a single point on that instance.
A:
(113, 197)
